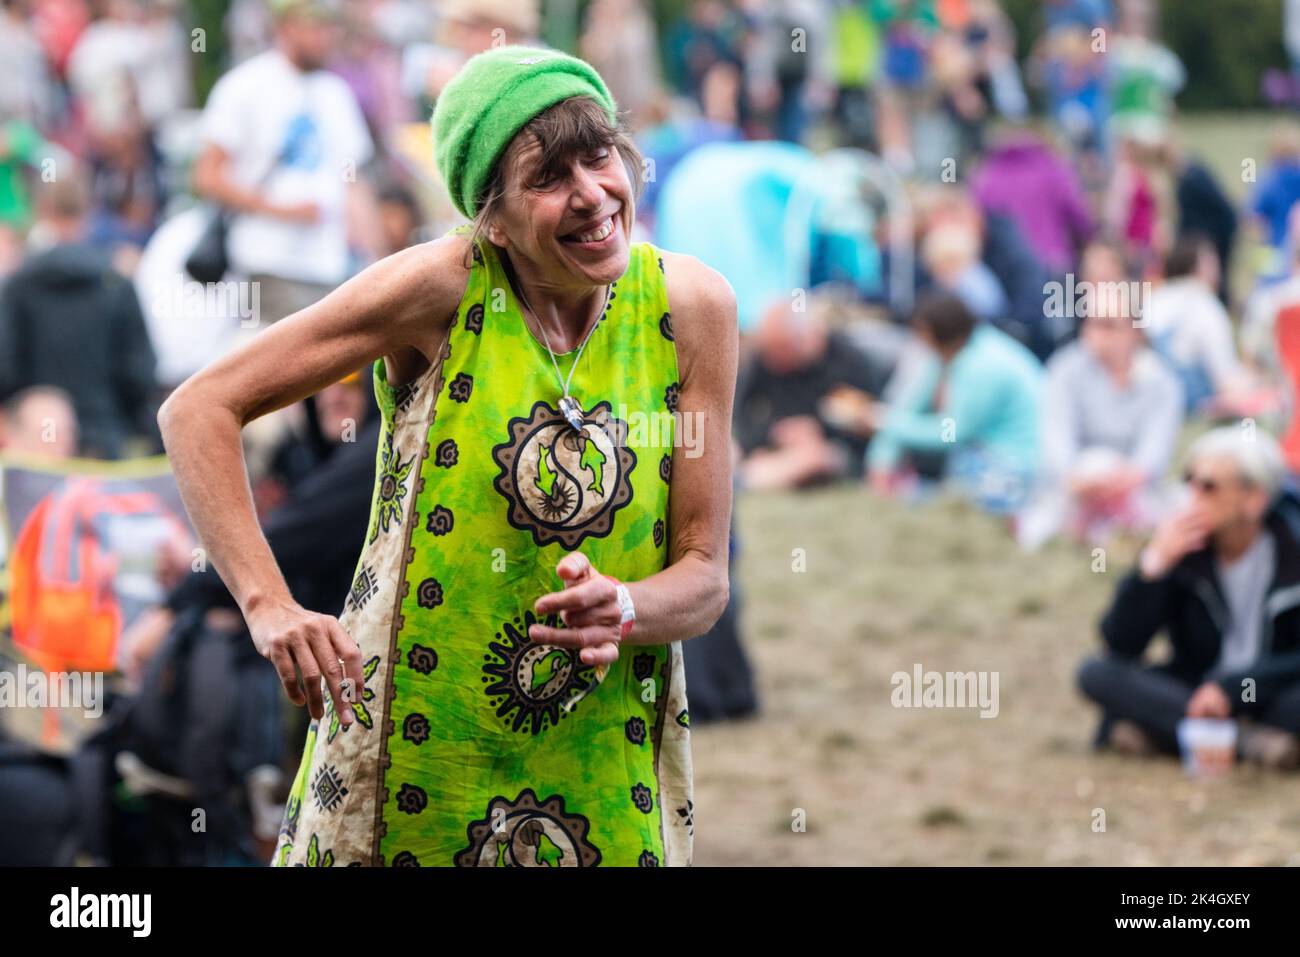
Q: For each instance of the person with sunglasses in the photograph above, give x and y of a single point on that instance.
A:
(1221, 576)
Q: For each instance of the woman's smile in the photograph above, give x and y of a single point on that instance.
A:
(595, 237)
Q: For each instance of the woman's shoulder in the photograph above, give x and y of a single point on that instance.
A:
(697, 291)
(441, 267)
(701, 314)
(414, 293)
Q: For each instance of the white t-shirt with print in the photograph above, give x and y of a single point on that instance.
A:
(266, 110)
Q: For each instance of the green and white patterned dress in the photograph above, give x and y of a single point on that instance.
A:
(474, 746)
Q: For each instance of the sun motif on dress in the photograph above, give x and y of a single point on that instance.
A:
(532, 685)
(393, 473)
(527, 832)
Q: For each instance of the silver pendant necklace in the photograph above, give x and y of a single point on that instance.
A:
(569, 407)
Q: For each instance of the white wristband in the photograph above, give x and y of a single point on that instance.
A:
(625, 605)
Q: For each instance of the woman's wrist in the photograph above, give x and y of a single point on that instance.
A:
(627, 608)
(259, 599)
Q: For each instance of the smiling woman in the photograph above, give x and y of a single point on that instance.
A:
(505, 684)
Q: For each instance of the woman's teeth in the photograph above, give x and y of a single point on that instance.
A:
(597, 234)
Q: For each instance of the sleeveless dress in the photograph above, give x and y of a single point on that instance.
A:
(474, 746)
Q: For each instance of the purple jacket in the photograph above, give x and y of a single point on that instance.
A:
(1025, 180)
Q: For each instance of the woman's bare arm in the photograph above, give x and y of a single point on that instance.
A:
(399, 307)
(687, 597)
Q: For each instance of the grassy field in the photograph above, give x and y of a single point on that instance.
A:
(886, 588)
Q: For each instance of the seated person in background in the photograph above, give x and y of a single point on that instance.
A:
(1009, 278)
(973, 402)
(950, 253)
(1203, 207)
(1188, 325)
(331, 418)
(1278, 190)
(784, 441)
(1259, 342)
(1111, 417)
(1222, 577)
(39, 420)
(1022, 176)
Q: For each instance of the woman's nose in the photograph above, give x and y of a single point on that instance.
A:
(587, 191)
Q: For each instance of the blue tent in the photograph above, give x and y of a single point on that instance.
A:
(729, 205)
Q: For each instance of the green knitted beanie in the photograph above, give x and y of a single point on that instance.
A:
(492, 98)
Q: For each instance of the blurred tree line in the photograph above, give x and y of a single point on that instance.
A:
(209, 16)
(1226, 45)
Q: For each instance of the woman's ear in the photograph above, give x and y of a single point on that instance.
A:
(495, 234)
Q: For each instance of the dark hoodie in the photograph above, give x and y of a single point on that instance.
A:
(1188, 603)
(68, 319)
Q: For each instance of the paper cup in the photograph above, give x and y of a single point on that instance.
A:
(1208, 745)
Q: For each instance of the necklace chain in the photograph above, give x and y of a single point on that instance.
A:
(564, 383)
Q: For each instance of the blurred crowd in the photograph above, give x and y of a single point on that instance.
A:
(1082, 231)
(958, 268)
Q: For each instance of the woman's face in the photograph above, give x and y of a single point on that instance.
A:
(571, 228)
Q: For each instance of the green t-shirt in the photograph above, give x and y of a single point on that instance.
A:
(20, 145)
